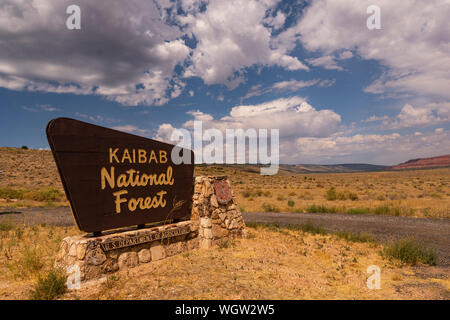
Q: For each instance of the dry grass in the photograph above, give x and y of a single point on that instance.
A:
(26, 254)
(273, 263)
(418, 193)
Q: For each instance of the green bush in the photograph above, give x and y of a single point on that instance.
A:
(11, 193)
(321, 209)
(46, 194)
(267, 207)
(28, 264)
(50, 287)
(396, 211)
(331, 194)
(355, 237)
(291, 203)
(31, 261)
(410, 252)
(6, 226)
(358, 211)
(309, 227)
(381, 210)
(352, 196)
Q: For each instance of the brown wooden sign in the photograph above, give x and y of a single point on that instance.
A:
(114, 179)
(222, 191)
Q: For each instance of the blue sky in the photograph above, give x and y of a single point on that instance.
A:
(337, 91)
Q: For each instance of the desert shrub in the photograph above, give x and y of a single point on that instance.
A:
(50, 287)
(394, 196)
(291, 203)
(252, 193)
(358, 211)
(19, 233)
(309, 227)
(291, 194)
(396, 211)
(24, 147)
(342, 196)
(6, 226)
(410, 252)
(306, 196)
(246, 193)
(31, 260)
(225, 244)
(111, 282)
(280, 198)
(267, 194)
(28, 264)
(258, 193)
(272, 226)
(355, 237)
(11, 193)
(352, 196)
(331, 194)
(380, 197)
(267, 207)
(46, 194)
(401, 211)
(252, 225)
(320, 209)
(381, 210)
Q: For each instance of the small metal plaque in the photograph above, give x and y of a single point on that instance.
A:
(113, 244)
(223, 191)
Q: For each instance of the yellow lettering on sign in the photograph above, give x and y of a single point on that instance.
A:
(143, 203)
(126, 155)
(118, 200)
(134, 178)
(152, 157)
(112, 155)
(107, 176)
(142, 156)
(162, 156)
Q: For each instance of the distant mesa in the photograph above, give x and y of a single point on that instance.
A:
(440, 161)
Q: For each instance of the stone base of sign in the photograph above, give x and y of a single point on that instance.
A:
(218, 222)
(211, 223)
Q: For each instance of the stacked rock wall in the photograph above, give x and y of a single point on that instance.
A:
(217, 221)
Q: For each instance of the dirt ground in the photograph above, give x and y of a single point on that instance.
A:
(272, 263)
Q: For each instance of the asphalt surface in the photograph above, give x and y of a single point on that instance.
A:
(433, 232)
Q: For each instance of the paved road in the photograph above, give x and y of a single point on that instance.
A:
(433, 232)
